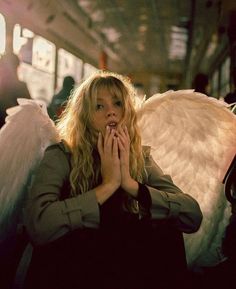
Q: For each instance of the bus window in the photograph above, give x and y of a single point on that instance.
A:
(23, 43)
(215, 84)
(2, 34)
(225, 77)
(19, 40)
(68, 64)
(38, 66)
(43, 55)
(43, 65)
(88, 70)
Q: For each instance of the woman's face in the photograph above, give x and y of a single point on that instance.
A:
(108, 111)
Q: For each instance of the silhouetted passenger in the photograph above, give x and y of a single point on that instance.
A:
(231, 97)
(200, 83)
(60, 99)
(223, 274)
(11, 87)
(229, 243)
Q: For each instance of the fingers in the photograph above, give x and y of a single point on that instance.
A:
(115, 147)
(123, 133)
(109, 154)
(108, 139)
(120, 144)
(109, 144)
(124, 139)
(100, 144)
(113, 141)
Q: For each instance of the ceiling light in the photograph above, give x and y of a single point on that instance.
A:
(111, 34)
(178, 43)
(142, 28)
(97, 16)
(140, 46)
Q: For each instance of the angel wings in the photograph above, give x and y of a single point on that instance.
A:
(192, 138)
(23, 139)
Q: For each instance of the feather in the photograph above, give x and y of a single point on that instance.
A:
(193, 139)
(23, 139)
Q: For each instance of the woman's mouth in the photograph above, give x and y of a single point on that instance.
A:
(112, 125)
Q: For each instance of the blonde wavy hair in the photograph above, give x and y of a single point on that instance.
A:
(76, 129)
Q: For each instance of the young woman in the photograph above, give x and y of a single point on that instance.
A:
(101, 213)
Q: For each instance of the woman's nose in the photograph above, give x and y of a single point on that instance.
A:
(110, 111)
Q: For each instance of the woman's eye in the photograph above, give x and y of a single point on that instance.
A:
(99, 106)
(118, 103)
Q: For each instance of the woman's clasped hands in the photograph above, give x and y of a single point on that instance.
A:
(114, 149)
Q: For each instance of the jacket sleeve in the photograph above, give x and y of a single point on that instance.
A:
(46, 216)
(169, 202)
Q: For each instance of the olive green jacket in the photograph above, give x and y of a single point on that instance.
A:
(48, 217)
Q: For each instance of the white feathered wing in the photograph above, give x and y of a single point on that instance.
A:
(23, 140)
(193, 139)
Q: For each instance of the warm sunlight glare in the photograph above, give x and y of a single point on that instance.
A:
(18, 40)
(2, 34)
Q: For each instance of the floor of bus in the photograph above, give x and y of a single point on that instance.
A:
(221, 276)
(218, 277)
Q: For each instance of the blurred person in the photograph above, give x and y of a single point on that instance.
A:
(230, 98)
(11, 87)
(229, 243)
(140, 94)
(59, 100)
(200, 83)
